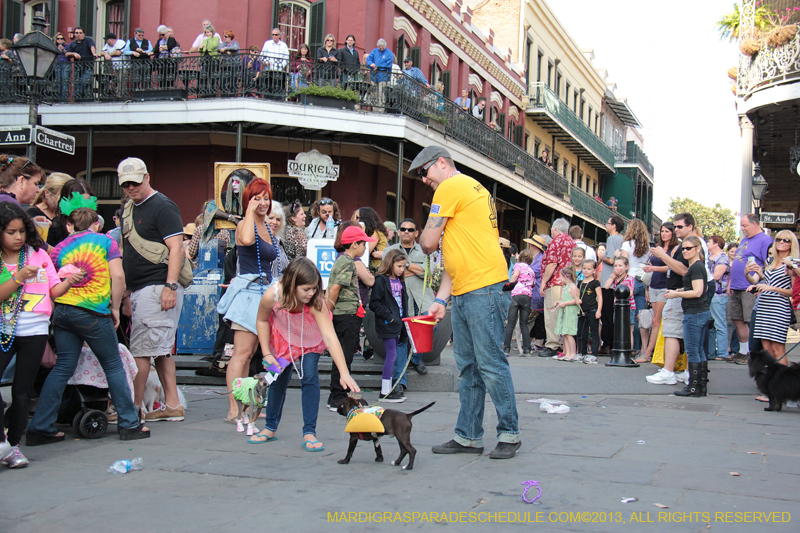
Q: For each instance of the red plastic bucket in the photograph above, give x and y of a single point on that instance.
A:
(420, 331)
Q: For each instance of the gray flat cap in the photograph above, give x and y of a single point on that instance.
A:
(428, 154)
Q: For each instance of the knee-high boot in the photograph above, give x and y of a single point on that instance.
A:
(692, 388)
(703, 378)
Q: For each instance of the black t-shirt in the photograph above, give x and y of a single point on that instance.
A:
(588, 292)
(155, 219)
(83, 48)
(674, 281)
(695, 305)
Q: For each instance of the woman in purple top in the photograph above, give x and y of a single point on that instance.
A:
(19, 179)
(719, 266)
(658, 286)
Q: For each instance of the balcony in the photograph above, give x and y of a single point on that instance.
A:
(191, 78)
(590, 206)
(557, 118)
(633, 155)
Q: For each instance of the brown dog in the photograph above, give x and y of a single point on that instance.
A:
(396, 424)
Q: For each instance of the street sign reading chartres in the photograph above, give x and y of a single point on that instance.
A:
(54, 140)
(777, 218)
(15, 135)
(313, 169)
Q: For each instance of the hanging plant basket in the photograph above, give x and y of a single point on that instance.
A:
(781, 36)
(749, 47)
(733, 72)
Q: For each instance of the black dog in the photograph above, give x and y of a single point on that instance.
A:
(777, 382)
(396, 424)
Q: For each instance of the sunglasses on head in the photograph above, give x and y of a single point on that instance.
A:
(326, 201)
(295, 205)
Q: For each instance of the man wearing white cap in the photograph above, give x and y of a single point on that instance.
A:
(475, 271)
(151, 220)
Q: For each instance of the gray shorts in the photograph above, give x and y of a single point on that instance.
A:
(740, 305)
(657, 295)
(153, 330)
(672, 326)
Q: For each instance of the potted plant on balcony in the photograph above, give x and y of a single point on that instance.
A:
(434, 121)
(327, 96)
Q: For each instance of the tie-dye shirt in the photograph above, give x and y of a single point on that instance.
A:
(90, 252)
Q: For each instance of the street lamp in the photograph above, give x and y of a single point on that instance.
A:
(37, 53)
(760, 186)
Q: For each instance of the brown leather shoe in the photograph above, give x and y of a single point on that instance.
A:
(605, 350)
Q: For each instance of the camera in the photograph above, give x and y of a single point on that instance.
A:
(653, 243)
(795, 261)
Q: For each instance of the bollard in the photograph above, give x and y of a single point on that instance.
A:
(621, 353)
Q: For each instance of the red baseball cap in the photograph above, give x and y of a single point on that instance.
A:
(353, 234)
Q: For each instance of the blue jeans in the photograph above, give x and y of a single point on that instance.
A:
(74, 326)
(639, 290)
(400, 363)
(718, 339)
(477, 346)
(309, 395)
(695, 335)
(63, 73)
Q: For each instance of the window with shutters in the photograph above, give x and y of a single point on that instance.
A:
(293, 21)
(436, 73)
(115, 19)
(12, 18)
(402, 50)
(446, 83)
(566, 92)
(86, 17)
(42, 9)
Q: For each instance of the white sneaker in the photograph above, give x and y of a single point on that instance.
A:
(683, 377)
(5, 449)
(662, 377)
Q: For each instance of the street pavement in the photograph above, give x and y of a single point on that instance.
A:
(718, 463)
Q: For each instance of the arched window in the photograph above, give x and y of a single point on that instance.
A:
(293, 21)
(436, 73)
(402, 50)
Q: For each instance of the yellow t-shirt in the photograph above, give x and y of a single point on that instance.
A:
(471, 249)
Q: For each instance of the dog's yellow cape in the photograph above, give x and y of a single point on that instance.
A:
(365, 420)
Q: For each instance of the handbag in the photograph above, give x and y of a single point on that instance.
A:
(49, 357)
(646, 278)
(658, 354)
(645, 318)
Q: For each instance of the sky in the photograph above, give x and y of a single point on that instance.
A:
(671, 66)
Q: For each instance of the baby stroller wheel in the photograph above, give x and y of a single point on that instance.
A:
(93, 424)
(76, 423)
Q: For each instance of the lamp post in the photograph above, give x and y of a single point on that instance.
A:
(37, 53)
(760, 187)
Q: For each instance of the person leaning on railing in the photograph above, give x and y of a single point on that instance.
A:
(328, 59)
(252, 67)
(229, 62)
(275, 58)
(208, 61)
(302, 67)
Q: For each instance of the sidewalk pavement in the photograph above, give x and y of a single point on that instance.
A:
(622, 439)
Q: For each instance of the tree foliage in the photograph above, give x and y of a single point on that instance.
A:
(715, 220)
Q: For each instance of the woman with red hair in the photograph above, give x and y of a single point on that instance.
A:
(257, 249)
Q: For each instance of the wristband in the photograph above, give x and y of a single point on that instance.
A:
(15, 279)
(440, 301)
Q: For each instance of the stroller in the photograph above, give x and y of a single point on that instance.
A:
(86, 398)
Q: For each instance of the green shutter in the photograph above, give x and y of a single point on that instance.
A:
(12, 19)
(127, 25)
(86, 12)
(275, 5)
(316, 37)
(519, 135)
(53, 29)
(415, 53)
(446, 83)
(501, 121)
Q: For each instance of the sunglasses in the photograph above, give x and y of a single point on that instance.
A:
(328, 40)
(423, 172)
(129, 184)
(407, 230)
(276, 34)
(787, 241)
(686, 248)
(678, 226)
(326, 201)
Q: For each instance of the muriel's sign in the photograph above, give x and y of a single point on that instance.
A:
(313, 169)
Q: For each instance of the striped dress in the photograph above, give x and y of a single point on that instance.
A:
(774, 311)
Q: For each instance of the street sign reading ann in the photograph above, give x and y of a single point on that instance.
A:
(55, 140)
(15, 135)
(777, 218)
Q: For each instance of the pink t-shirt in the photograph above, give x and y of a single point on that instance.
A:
(525, 280)
(34, 318)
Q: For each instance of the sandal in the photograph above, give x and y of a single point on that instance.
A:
(307, 442)
(233, 421)
(136, 433)
(260, 436)
(762, 399)
(37, 439)
(643, 359)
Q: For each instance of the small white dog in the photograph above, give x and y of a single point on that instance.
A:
(154, 393)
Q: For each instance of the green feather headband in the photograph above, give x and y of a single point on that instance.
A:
(68, 205)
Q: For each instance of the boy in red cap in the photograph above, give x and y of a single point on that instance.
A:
(344, 300)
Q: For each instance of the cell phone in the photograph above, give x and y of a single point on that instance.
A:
(653, 244)
(751, 259)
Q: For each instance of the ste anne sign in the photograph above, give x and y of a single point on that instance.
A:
(55, 140)
(313, 169)
(11, 135)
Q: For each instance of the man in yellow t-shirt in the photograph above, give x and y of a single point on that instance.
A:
(474, 273)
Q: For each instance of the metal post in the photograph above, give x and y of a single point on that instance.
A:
(747, 165)
(33, 120)
(621, 353)
(89, 154)
(398, 201)
(239, 135)
(526, 233)
(494, 192)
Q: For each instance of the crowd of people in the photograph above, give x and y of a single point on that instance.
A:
(64, 284)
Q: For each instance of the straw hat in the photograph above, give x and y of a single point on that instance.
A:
(189, 229)
(537, 241)
(504, 243)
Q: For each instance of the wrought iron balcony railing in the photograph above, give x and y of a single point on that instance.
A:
(542, 97)
(590, 206)
(245, 75)
(635, 155)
